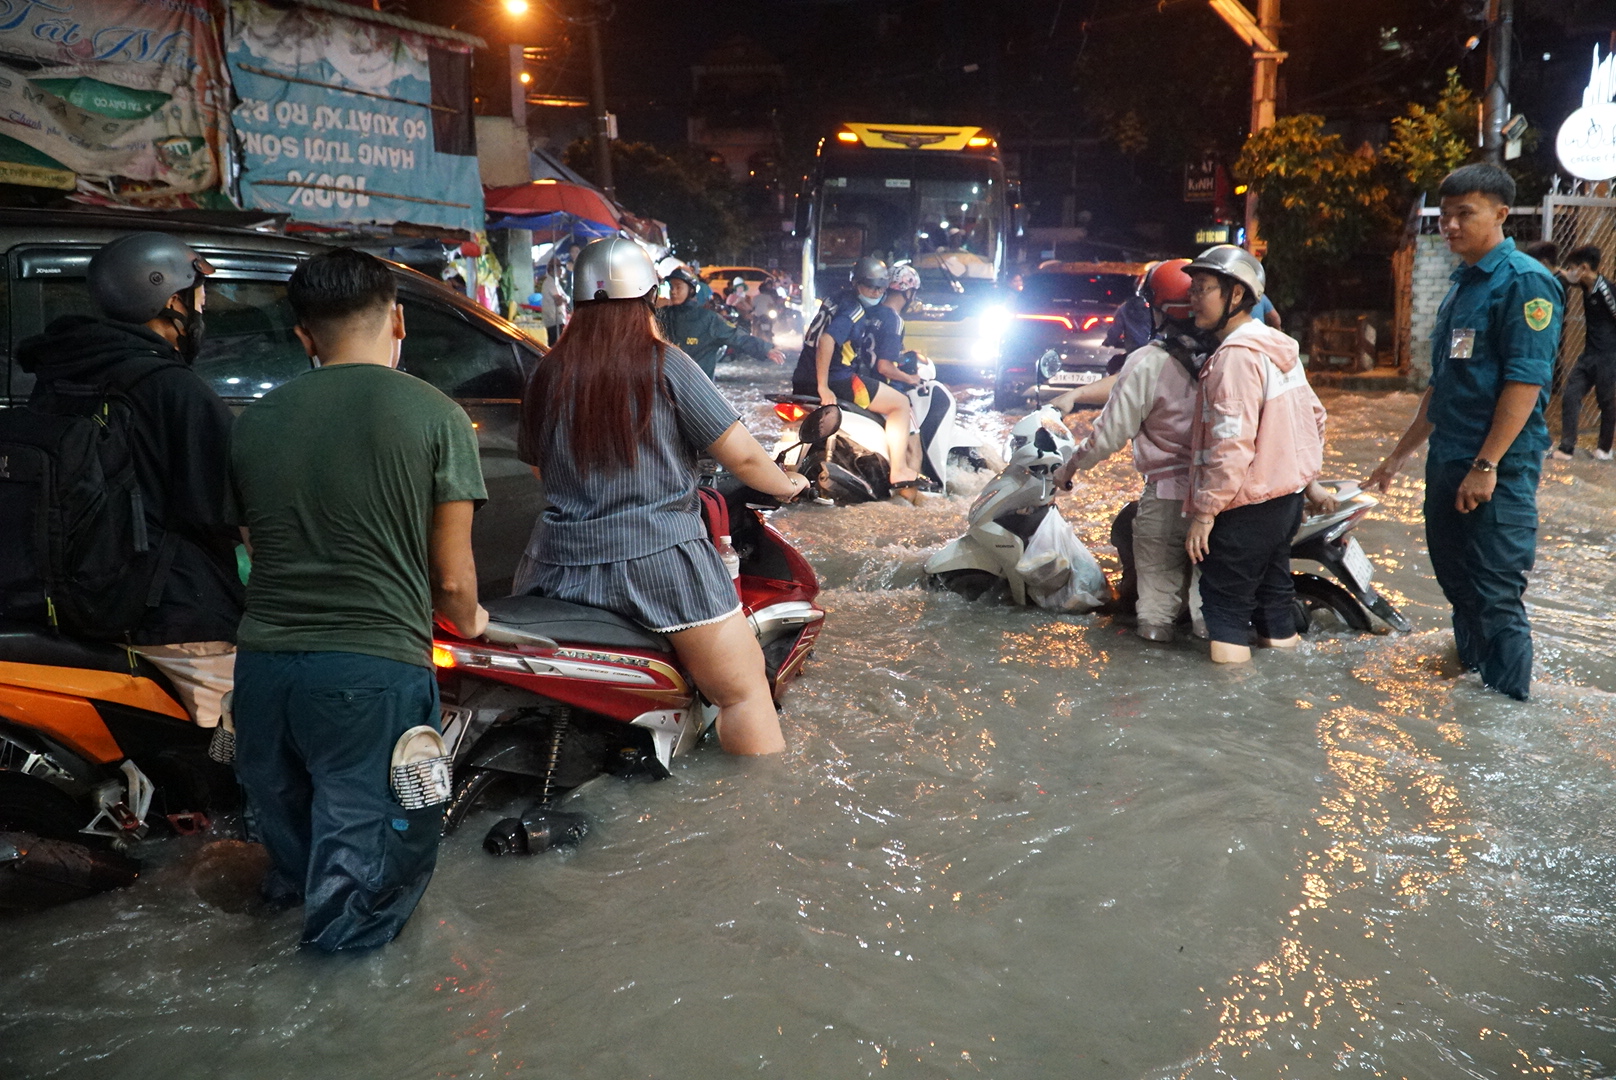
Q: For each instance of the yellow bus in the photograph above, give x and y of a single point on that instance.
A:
(934, 196)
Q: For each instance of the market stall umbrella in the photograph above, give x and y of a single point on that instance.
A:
(548, 197)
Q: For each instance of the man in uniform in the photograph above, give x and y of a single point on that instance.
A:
(1492, 361)
(699, 331)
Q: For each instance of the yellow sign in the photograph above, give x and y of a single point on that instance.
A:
(1538, 313)
(12, 172)
(918, 136)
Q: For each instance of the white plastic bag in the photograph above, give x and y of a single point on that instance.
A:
(1060, 573)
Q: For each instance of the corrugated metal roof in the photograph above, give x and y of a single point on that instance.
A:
(354, 11)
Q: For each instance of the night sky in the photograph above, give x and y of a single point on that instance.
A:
(1049, 72)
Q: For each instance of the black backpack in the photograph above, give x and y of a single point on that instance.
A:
(76, 551)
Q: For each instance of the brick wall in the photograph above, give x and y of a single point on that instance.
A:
(1432, 265)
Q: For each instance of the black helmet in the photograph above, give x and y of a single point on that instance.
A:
(132, 278)
(680, 273)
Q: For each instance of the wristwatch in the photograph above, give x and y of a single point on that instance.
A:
(1481, 464)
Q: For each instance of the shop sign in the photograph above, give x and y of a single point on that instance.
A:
(1586, 143)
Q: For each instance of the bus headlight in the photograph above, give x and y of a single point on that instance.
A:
(990, 337)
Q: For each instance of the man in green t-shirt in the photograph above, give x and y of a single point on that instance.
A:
(354, 486)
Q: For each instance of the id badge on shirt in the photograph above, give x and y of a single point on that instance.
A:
(1462, 345)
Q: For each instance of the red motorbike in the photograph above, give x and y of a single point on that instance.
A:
(555, 694)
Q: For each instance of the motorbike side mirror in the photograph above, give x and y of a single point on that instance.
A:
(820, 424)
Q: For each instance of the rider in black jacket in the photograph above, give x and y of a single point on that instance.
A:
(699, 332)
(150, 287)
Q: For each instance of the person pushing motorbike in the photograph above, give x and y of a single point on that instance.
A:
(1153, 404)
(700, 332)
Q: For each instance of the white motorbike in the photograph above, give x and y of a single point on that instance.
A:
(852, 466)
(1016, 538)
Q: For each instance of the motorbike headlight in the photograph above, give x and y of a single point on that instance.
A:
(1049, 365)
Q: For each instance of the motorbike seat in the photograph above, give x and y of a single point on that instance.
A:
(849, 407)
(23, 643)
(573, 624)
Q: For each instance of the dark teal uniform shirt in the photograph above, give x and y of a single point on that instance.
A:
(1499, 323)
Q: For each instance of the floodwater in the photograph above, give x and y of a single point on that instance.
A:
(1004, 843)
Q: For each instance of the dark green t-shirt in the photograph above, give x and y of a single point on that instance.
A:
(336, 475)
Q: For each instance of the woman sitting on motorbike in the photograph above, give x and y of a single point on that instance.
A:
(613, 419)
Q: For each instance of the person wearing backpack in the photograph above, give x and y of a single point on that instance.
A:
(155, 566)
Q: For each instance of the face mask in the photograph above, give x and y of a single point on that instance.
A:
(868, 301)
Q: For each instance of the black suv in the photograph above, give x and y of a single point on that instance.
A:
(475, 357)
(1056, 336)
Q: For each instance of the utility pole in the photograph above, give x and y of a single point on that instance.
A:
(1262, 35)
(597, 105)
(1500, 31)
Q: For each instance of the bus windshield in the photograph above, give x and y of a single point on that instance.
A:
(943, 214)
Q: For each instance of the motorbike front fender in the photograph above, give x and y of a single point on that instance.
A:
(963, 554)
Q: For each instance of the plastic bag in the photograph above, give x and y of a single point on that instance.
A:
(1060, 573)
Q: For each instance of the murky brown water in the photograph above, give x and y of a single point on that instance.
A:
(1003, 844)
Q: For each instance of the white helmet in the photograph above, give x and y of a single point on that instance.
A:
(612, 269)
(1235, 263)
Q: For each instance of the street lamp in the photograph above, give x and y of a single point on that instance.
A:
(516, 7)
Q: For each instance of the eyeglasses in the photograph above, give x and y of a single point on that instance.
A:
(1198, 291)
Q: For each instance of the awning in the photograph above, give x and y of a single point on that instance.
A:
(552, 226)
(549, 197)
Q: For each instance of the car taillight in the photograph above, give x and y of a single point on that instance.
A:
(1091, 322)
(1063, 320)
(442, 656)
(790, 412)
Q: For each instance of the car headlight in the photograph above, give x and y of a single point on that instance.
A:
(990, 338)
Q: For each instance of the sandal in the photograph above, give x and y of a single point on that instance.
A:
(908, 489)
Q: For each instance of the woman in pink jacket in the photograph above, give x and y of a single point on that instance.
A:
(1258, 446)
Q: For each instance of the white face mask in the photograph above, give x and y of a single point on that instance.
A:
(868, 301)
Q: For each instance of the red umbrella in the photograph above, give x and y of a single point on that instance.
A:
(548, 197)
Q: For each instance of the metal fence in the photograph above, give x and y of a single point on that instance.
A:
(1572, 221)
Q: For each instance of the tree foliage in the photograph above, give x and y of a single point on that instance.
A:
(1317, 202)
(1429, 143)
(687, 190)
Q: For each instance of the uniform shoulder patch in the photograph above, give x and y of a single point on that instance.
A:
(1538, 313)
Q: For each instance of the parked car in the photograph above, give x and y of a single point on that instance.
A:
(470, 354)
(1055, 340)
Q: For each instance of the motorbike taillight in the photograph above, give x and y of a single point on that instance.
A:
(790, 412)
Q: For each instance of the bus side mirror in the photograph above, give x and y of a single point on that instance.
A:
(799, 227)
(1018, 210)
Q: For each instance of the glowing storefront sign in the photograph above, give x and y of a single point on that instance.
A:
(1586, 144)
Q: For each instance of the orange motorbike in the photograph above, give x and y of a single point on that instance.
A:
(96, 754)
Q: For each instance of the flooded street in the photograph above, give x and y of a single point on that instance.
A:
(1004, 843)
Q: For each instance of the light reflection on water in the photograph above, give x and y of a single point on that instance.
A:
(1004, 844)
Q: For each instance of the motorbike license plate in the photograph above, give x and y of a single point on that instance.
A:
(453, 724)
(1357, 564)
(1074, 378)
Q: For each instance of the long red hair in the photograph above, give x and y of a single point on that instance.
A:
(596, 387)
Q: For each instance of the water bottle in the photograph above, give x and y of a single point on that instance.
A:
(732, 561)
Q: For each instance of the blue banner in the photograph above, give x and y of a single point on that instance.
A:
(342, 120)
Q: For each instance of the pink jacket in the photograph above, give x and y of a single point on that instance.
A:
(1259, 433)
(1153, 403)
